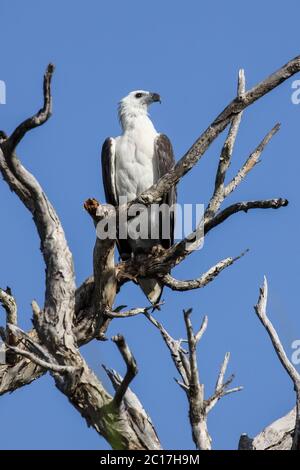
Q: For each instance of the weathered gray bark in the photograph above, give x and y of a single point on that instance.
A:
(276, 436)
(71, 317)
(54, 324)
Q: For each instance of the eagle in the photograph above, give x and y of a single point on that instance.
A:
(131, 164)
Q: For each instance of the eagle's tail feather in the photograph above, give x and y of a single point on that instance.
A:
(152, 288)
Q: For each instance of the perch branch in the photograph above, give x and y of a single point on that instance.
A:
(193, 155)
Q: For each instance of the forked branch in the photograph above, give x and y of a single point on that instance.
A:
(186, 364)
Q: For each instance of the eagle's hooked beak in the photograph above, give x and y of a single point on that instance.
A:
(155, 97)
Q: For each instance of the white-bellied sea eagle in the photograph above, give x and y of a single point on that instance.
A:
(131, 164)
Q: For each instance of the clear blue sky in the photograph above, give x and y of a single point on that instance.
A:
(190, 53)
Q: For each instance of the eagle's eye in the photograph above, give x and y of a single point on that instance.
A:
(138, 95)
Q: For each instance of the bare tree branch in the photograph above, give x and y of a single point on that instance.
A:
(193, 155)
(176, 351)
(187, 367)
(40, 362)
(132, 312)
(202, 329)
(162, 263)
(221, 388)
(226, 153)
(132, 369)
(203, 280)
(251, 161)
(222, 373)
(9, 304)
(60, 279)
(244, 207)
(46, 364)
(261, 311)
(139, 417)
(39, 118)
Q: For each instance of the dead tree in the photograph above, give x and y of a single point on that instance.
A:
(72, 316)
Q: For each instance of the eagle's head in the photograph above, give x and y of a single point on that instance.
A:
(136, 103)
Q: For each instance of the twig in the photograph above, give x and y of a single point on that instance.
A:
(194, 380)
(40, 362)
(132, 312)
(222, 373)
(177, 354)
(202, 329)
(252, 160)
(221, 388)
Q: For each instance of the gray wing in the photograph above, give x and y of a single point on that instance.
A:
(108, 171)
(164, 155)
(108, 176)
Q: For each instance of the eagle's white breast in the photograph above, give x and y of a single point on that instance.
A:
(135, 165)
